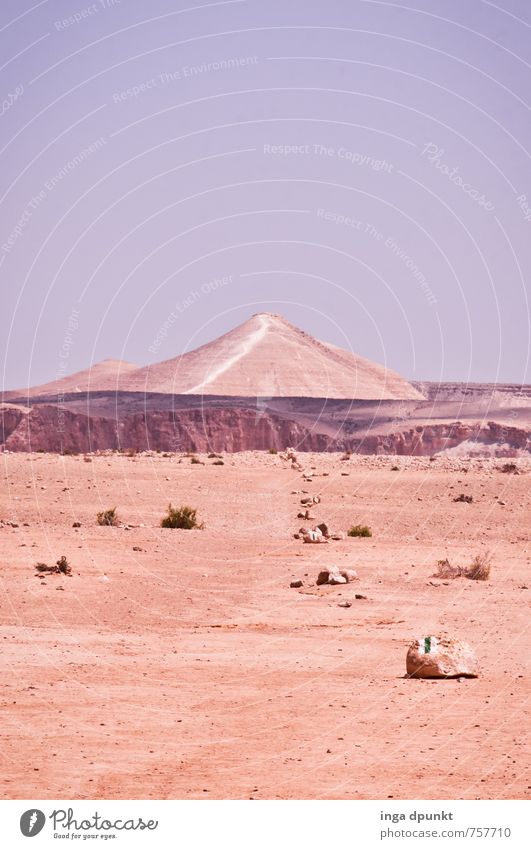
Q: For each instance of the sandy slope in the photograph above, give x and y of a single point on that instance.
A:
(105, 375)
(266, 356)
(195, 671)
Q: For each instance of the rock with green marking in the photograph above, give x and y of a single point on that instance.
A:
(441, 657)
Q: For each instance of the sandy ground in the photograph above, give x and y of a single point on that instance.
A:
(180, 664)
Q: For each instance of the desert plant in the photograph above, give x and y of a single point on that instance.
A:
(196, 461)
(108, 517)
(446, 570)
(479, 569)
(466, 499)
(273, 451)
(359, 531)
(509, 468)
(218, 463)
(395, 468)
(62, 567)
(181, 517)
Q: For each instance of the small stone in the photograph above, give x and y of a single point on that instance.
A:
(76, 524)
(322, 577)
(295, 585)
(360, 596)
(345, 604)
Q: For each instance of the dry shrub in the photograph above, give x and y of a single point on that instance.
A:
(181, 517)
(359, 531)
(62, 567)
(478, 570)
(446, 570)
(108, 517)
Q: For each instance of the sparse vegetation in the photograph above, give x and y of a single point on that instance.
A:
(108, 517)
(446, 571)
(478, 570)
(218, 463)
(359, 531)
(509, 468)
(196, 461)
(466, 499)
(213, 456)
(273, 451)
(395, 469)
(181, 517)
(62, 567)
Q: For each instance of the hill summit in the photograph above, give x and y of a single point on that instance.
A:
(266, 356)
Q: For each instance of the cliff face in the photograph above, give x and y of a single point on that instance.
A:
(51, 428)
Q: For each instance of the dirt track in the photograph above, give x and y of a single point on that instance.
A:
(190, 669)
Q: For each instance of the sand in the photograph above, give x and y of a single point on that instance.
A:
(190, 669)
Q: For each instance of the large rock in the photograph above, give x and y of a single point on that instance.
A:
(441, 657)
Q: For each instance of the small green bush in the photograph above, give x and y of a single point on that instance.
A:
(360, 531)
(108, 517)
(181, 517)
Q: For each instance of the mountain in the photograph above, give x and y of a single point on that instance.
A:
(267, 356)
(100, 377)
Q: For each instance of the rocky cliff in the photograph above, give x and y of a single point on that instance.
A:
(52, 428)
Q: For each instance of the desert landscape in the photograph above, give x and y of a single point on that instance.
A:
(182, 664)
(167, 630)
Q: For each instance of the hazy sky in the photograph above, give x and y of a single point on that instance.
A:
(361, 167)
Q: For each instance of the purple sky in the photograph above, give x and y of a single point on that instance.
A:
(361, 167)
